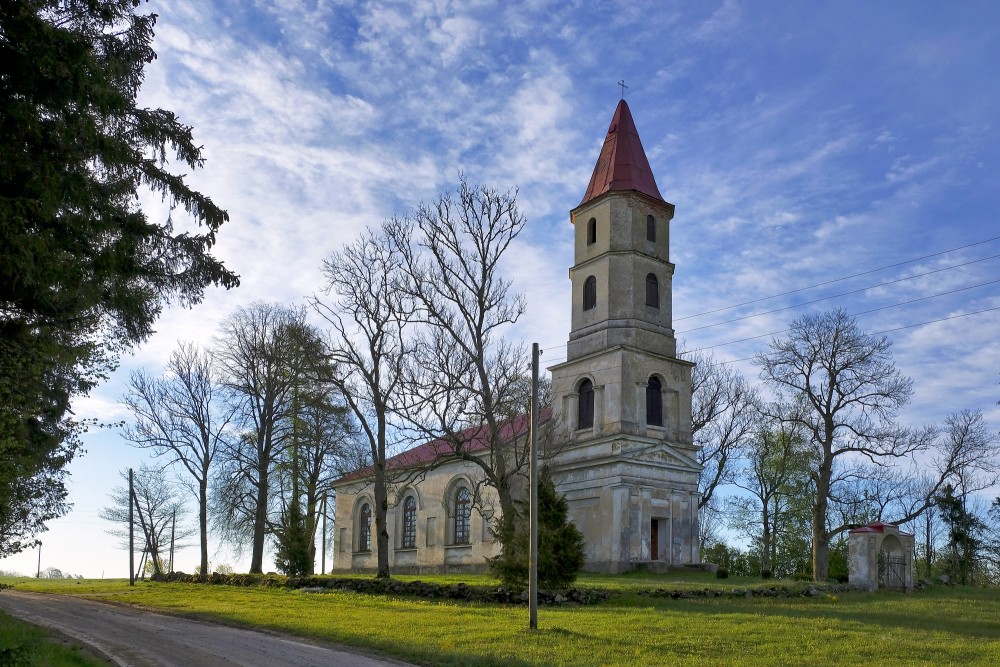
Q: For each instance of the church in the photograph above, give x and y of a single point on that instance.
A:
(621, 403)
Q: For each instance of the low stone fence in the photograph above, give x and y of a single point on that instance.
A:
(814, 590)
(422, 589)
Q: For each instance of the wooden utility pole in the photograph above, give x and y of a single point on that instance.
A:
(131, 530)
(533, 482)
(173, 528)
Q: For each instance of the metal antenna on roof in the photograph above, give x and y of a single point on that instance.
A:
(624, 87)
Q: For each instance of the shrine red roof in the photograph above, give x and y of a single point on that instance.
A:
(474, 440)
(876, 527)
(622, 164)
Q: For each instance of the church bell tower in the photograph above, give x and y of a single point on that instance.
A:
(622, 397)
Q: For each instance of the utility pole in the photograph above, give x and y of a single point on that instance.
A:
(533, 482)
(131, 530)
(322, 566)
(173, 528)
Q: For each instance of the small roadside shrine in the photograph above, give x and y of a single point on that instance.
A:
(880, 556)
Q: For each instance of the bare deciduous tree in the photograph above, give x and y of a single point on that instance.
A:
(260, 358)
(156, 507)
(184, 417)
(962, 455)
(368, 348)
(853, 393)
(723, 414)
(465, 378)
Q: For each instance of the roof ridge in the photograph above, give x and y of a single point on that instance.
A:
(477, 440)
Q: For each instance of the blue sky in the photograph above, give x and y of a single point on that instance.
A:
(800, 142)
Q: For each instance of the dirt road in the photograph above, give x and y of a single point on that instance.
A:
(140, 638)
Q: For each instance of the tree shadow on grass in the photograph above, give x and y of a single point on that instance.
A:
(866, 609)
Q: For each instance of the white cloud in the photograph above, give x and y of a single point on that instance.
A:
(723, 21)
(788, 164)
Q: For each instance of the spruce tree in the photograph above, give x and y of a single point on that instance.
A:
(561, 549)
(84, 273)
(292, 554)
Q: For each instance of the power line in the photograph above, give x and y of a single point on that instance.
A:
(874, 333)
(863, 312)
(837, 296)
(837, 280)
(821, 284)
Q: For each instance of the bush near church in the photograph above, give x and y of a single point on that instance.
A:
(560, 543)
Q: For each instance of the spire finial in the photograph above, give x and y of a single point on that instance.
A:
(624, 87)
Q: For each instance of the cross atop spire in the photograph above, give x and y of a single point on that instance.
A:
(622, 164)
(624, 87)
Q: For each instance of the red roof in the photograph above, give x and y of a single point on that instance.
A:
(877, 527)
(472, 440)
(622, 164)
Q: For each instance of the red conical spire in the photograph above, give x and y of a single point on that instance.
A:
(622, 164)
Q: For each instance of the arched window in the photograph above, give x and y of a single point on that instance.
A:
(654, 402)
(365, 528)
(650, 228)
(409, 523)
(585, 409)
(652, 291)
(591, 231)
(589, 292)
(463, 512)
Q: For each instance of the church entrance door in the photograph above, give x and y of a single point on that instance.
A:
(654, 539)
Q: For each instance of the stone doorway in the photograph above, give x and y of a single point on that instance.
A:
(892, 564)
(659, 539)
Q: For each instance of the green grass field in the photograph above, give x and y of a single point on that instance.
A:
(936, 626)
(24, 644)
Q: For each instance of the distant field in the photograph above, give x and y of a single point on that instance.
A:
(937, 626)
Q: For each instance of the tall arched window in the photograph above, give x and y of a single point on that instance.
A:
(650, 228)
(589, 292)
(409, 523)
(585, 408)
(365, 528)
(463, 512)
(654, 402)
(591, 231)
(652, 291)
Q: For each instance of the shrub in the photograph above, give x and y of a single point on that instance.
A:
(765, 574)
(560, 543)
(291, 555)
(722, 573)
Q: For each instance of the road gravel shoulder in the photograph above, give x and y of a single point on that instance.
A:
(126, 634)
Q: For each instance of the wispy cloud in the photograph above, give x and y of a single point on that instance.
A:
(796, 151)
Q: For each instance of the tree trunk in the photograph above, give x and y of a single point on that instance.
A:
(260, 521)
(928, 546)
(821, 541)
(203, 522)
(382, 532)
(311, 521)
(765, 539)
